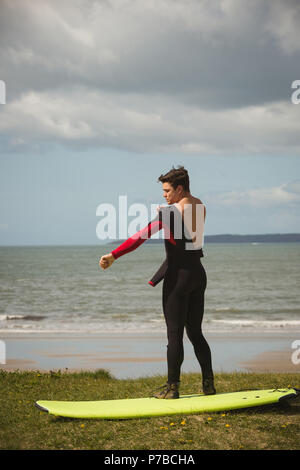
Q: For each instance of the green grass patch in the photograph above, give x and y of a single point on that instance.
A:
(23, 426)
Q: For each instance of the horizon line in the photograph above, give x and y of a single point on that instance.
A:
(154, 240)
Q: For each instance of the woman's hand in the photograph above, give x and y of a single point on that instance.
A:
(106, 261)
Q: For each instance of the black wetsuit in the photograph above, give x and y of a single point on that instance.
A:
(183, 290)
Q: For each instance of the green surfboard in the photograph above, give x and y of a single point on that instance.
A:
(147, 407)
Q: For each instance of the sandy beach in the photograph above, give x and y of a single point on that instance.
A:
(135, 355)
(272, 361)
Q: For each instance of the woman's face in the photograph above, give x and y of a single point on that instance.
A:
(170, 194)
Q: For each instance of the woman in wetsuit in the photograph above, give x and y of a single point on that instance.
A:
(184, 277)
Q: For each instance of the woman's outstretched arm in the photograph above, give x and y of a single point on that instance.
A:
(132, 243)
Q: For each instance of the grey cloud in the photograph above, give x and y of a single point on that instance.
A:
(212, 54)
(197, 76)
(293, 187)
(144, 123)
(285, 195)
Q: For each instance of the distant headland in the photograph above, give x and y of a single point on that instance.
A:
(229, 238)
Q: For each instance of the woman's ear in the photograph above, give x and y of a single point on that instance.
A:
(179, 189)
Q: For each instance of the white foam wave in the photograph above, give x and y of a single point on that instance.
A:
(21, 317)
(260, 323)
(12, 317)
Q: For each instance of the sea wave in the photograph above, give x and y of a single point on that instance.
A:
(152, 325)
(227, 309)
(255, 310)
(259, 323)
(22, 317)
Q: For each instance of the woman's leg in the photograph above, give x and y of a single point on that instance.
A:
(175, 303)
(194, 327)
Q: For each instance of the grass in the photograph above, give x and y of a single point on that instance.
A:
(23, 426)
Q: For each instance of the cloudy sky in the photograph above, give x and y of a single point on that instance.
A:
(103, 96)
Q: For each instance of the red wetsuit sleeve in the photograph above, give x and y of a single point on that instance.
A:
(140, 237)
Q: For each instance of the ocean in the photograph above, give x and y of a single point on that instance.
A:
(62, 290)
